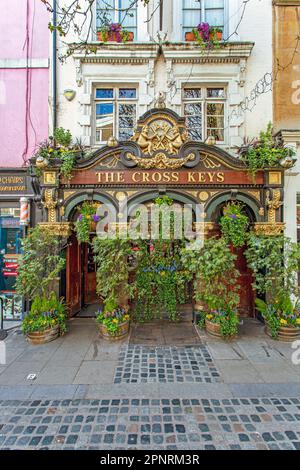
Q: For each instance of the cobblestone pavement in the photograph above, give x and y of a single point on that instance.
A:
(142, 364)
(266, 423)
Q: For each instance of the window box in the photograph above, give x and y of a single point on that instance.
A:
(191, 37)
(112, 37)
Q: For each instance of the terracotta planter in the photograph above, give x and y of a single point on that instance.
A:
(122, 332)
(218, 36)
(42, 337)
(190, 36)
(286, 333)
(113, 37)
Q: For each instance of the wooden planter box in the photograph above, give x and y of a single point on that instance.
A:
(122, 333)
(113, 37)
(190, 36)
(42, 337)
(286, 333)
(214, 329)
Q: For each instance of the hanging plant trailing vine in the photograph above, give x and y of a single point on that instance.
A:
(160, 278)
(86, 221)
(234, 224)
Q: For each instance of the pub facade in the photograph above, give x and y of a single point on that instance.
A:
(160, 159)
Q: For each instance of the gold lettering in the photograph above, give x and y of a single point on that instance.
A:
(120, 177)
(175, 176)
(99, 175)
(136, 177)
(166, 177)
(220, 177)
(146, 178)
(191, 177)
(211, 177)
(156, 177)
(202, 178)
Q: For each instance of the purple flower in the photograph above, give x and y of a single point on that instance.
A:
(233, 216)
(96, 218)
(115, 27)
(80, 217)
(203, 29)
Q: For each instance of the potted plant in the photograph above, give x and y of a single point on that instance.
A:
(222, 323)
(234, 224)
(46, 319)
(216, 286)
(275, 263)
(282, 318)
(205, 36)
(86, 222)
(114, 32)
(266, 152)
(113, 320)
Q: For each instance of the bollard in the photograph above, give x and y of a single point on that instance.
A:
(3, 333)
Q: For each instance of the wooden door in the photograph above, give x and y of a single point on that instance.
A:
(246, 308)
(74, 276)
(89, 268)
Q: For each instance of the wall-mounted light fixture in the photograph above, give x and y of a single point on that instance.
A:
(69, 94)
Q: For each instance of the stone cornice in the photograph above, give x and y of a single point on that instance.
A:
(181, 52)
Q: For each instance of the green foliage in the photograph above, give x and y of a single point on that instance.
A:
(40, 263)
(87, 218)
(67, 164)
(160, 280)
(234, 224)
(112, 268)
(62, 137)
(113, 318)
(214, 268)
(227, 319)
(265, 152)
(279, 313)
(46, 312)
(275, 262)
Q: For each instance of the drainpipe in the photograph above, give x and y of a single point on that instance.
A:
(54, 66)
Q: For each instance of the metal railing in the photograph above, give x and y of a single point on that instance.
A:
(3, 333)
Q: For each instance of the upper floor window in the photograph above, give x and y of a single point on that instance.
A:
(200, 11)
(117, 11)
(115, 113)
(204, 111)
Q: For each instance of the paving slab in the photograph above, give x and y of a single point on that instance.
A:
(95, 372)
(238, 371)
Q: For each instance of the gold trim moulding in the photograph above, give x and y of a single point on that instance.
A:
(269, 229)
(61, 229)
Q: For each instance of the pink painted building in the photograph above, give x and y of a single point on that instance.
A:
(24, 79)
(24, 109)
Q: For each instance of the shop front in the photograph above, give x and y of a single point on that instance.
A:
(158, 161)
(14, 185)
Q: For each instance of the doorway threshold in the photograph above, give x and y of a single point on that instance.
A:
(88, 311)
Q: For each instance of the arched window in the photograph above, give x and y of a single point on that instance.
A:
(117, 11)
(198, 11)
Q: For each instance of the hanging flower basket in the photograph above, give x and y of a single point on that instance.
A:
(234, 224)
(86, 222)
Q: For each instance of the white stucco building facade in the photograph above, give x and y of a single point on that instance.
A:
(209, 87)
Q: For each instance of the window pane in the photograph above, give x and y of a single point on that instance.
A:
(105, 93)
(105, 12)
(127, 120)
(195, 134)
(127, 15)
(193, 108)
(127, 93)
(217, 133)
(192, 93)
(104, 109)
(104, 121)
(215, 93)
(215, 121)
(214, 17)
(215, 109)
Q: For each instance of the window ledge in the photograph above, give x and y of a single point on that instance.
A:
(140, 52)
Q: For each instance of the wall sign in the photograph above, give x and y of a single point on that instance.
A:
(156, 177)
(10, 183)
